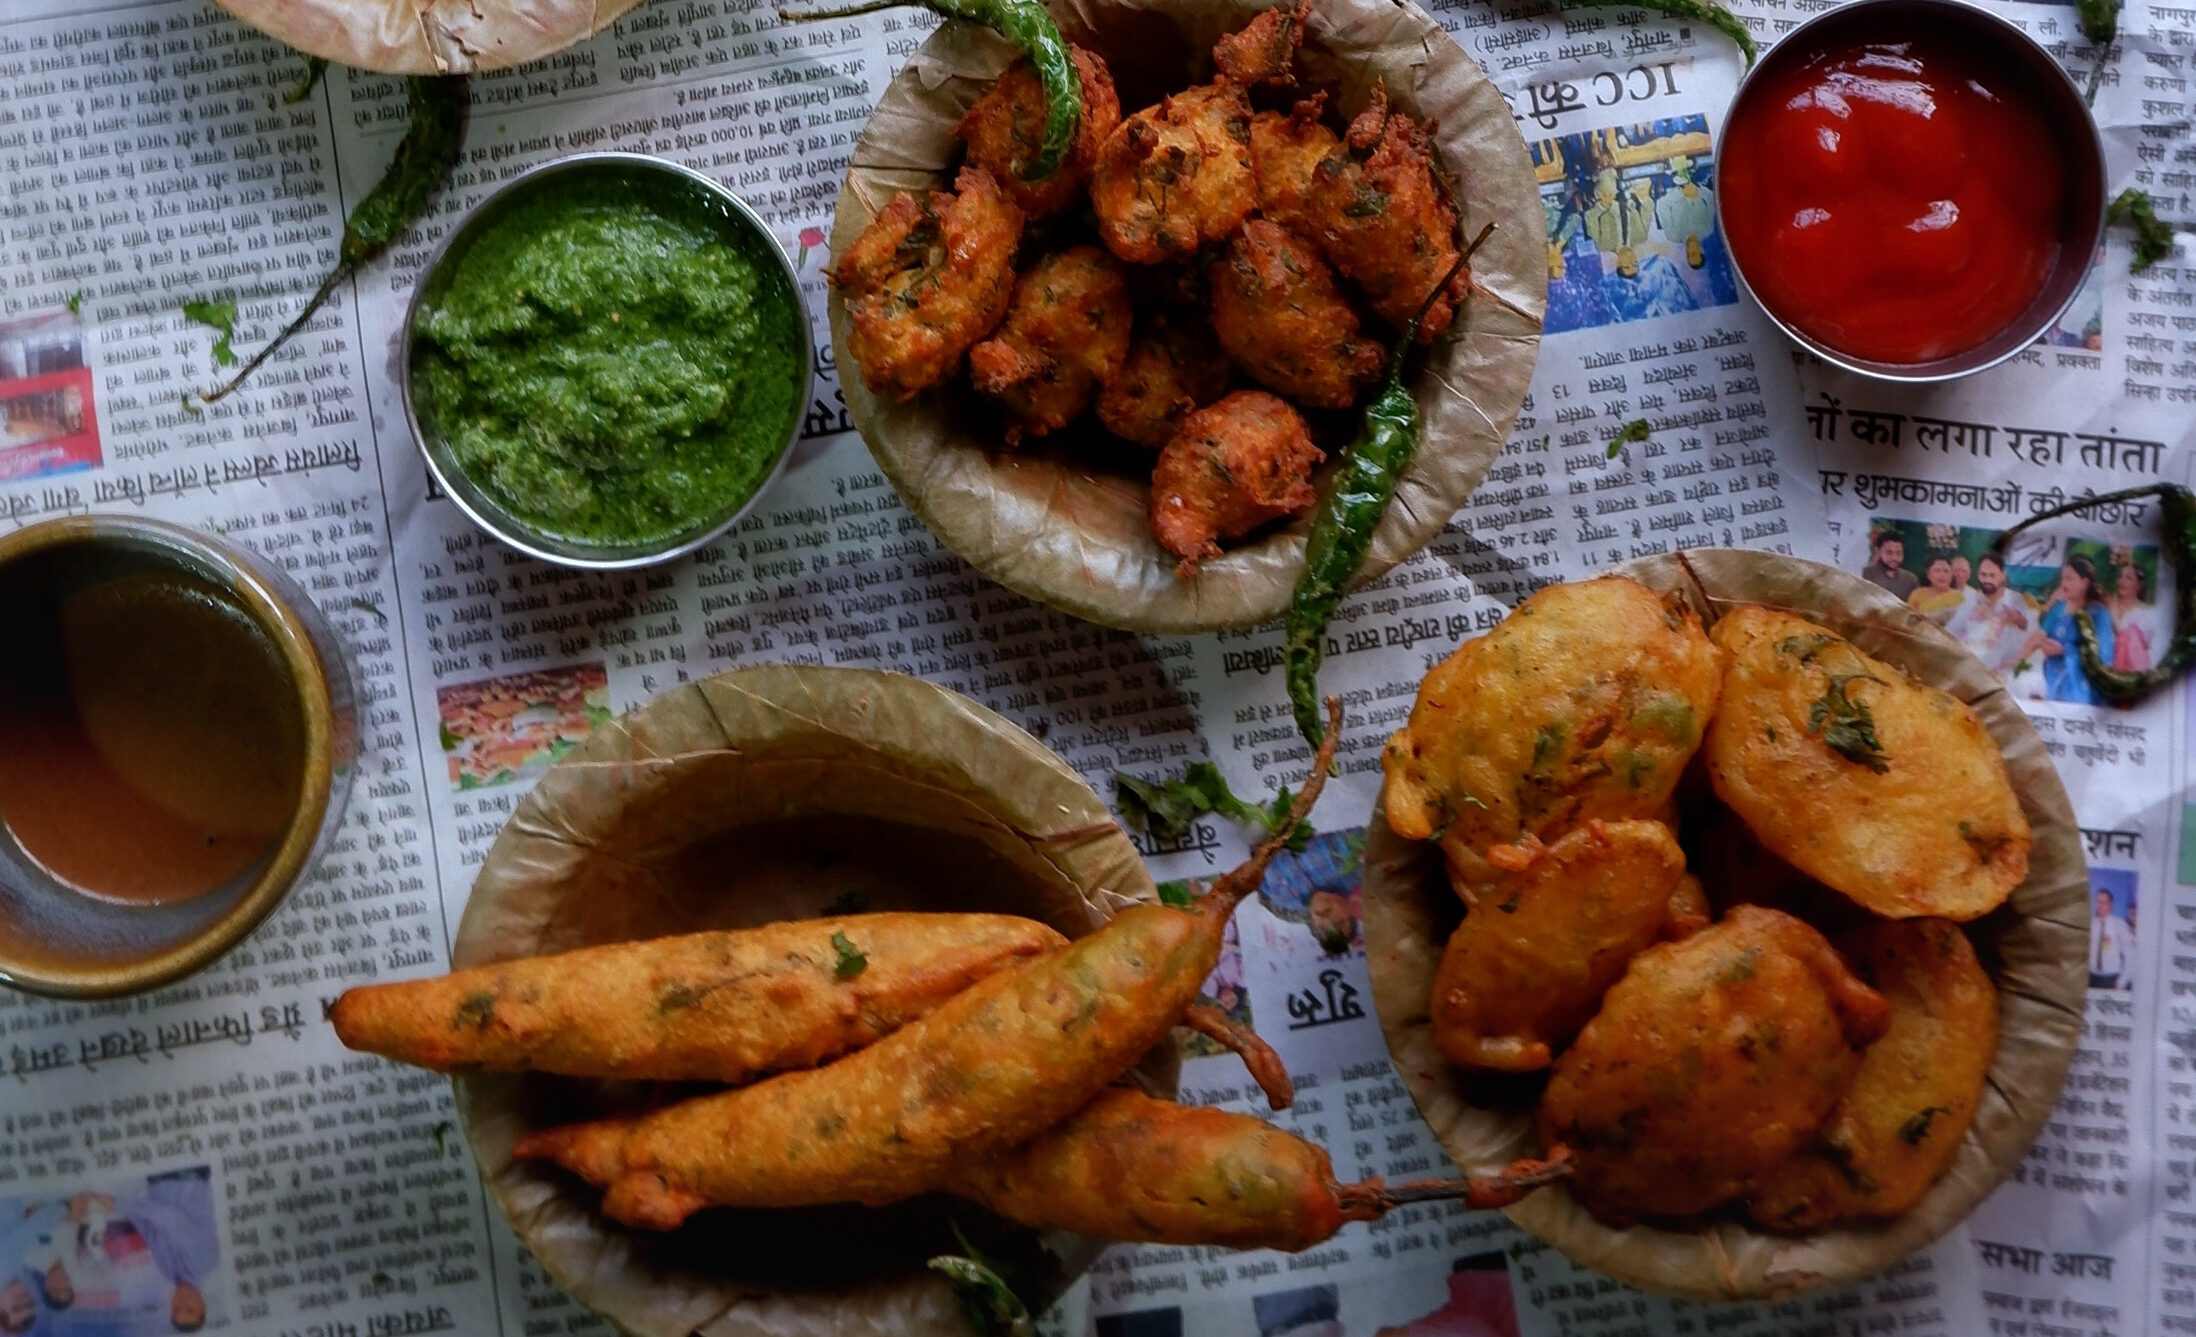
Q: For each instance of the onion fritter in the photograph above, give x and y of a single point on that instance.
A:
(1710, 1063)
(1285, 152)
(1901, 1124)
(1586, 702)
(1065, 332)
(1280, 313)
(1005, 129)
(1263, 51)
(1878, 786)
(1384, 220)
(1232, 467)
(1173, 368)
(926, 279)
(1538, 948)
(1175, 176)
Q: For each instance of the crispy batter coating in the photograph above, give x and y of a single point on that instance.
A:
(1279, 312)
(1263, 51)
(1066, 332)
(1586, 702)
(926, 279)
(1175, 176)
(1173, 368)
(1006, 127)
(1881, 787)
(1384, 220)
(723, 1006)
(1232, 467)
(1901, 1124)
(1538, 948)
(1285, 153)
(1711, 1061)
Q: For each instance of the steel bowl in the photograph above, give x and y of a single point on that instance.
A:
(736, 217)
(2030, 70)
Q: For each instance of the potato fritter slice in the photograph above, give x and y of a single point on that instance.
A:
(1386, 223)
(1880, 787)
(1539, 947)
(1232, 467)
(1174, 367)
(926, 279)
(1005, 130)
(1263, 51)
(1175, 176)
(1280, 313)
(1711, 1061)
(1285, 153)
(1066, 331)
(1901, 1124)
(1585, 702)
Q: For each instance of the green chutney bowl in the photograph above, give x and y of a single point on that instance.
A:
(672, 190)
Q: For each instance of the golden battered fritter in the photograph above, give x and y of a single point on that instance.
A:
(1232, 467)
(1901, 1124)
(1539, 947)
(1878, 786)
(1174, 367)
(1006, 127)
(1710, 1063)
(926, 279)
(1175, 176)
(1586, 702)
(1065, 333)
(1285, 152)
(1385, 221)
(1279, 312)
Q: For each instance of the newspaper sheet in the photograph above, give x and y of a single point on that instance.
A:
(285, 1185)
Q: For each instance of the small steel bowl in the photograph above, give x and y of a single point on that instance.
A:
(2001, 45)
(55, 940)
(435, 279)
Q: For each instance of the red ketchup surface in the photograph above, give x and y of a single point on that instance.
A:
(1896, 201)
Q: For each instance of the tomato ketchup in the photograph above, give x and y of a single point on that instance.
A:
(1897, 201)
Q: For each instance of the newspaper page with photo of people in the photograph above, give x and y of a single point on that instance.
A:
(207, 1157)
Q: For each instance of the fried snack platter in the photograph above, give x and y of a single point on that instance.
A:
(430, 36)
(2032, 948)
(1065, 527)
(842, 781)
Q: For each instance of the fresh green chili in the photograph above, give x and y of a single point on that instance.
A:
(2177, 508)
(436, 106)
(1343, 530)
(1029, 26)
(1696, 11)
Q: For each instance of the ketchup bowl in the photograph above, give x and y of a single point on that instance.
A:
(1912, 189)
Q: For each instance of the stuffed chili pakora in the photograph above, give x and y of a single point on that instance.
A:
(1066, 331)
(1880, 787)
(1711, 1062)
(1005, 131)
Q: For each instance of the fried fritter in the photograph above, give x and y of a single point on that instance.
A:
(1586, 702)
(1280, 313)
(1285, 152)
(1384, 220)
(1175, 176)
(1539, 947)
(1006, 127)
(1232, 467)
(1901, 1124)
(1263, 51)
(1711, 1061)
(926, 279)
(1878, 786)
(1065, 332)
(1173, 368)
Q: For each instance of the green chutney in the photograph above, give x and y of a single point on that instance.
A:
(614, 363)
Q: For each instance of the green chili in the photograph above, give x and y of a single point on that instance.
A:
(436, 106)
(2177, 507)
(1697, 11)
(1029, 26)
(1343, 530)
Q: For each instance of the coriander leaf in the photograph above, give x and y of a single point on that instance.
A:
(989, 1304)
(441, 1133)
(315, 66)
(1177, 894)
(1635, 430)
(851, 960)
(2100, 20)
(76, 302)
(1915, 1129)
(221, 316)
(1845, 724)
(2153, 239)
(1167, 809)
